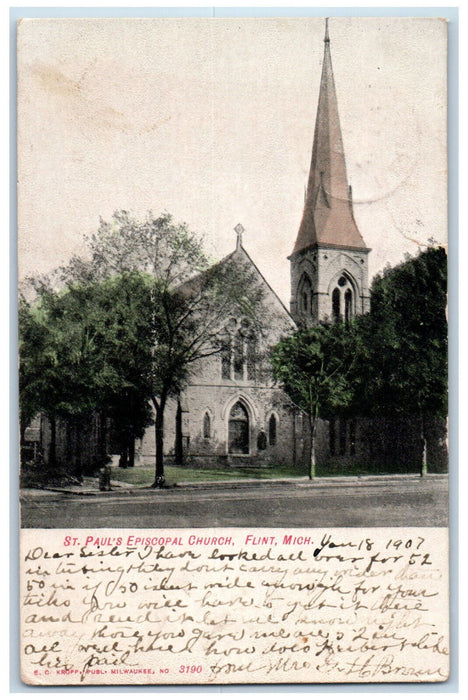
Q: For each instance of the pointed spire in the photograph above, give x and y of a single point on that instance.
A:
(327, 217)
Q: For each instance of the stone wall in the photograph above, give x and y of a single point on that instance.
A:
(323, 266)
(261, 401)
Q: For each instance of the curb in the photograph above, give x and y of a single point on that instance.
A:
(331, 481)
(305, 482)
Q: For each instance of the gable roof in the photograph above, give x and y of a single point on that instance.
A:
(240, 251)
(239, 254)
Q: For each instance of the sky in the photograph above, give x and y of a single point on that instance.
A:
(212, 120)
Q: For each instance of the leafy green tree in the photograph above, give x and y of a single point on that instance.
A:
(121, 320)
(158, 246)
(37, 376)
(403, 367)
(88, 348)
(56, 366)
(189, 303)
(314, 368)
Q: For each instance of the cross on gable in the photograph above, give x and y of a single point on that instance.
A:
(239, 229)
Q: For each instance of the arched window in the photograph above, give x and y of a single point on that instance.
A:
(272, 430)
(239, 356)
(251, 358)
(206, 426)
(336, 305)
(305, 295)
(238, 430)
(348, 305)
(238, 351)
(343, 300)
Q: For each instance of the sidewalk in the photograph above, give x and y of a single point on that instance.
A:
(90, 485)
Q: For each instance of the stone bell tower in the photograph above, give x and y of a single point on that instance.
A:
(329, 261)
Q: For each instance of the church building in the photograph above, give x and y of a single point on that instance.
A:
(231, 411)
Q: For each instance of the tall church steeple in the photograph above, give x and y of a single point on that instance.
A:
(328, 216)
(328, 222)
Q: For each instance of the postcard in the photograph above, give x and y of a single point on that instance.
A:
(232, 250)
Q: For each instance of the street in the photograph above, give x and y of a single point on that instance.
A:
(371, 502)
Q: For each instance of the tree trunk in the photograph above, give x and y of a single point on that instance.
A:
(131, 451)
(101, 448)
(69, 446)
(423, 468)
(313, 431)
(159, 478)
(81, 437)
(52, 460)
(179, 450)
(23, 426)
(294, 414)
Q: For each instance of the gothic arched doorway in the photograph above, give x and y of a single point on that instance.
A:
(238, 432)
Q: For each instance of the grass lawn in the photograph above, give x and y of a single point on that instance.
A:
(143, 475)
